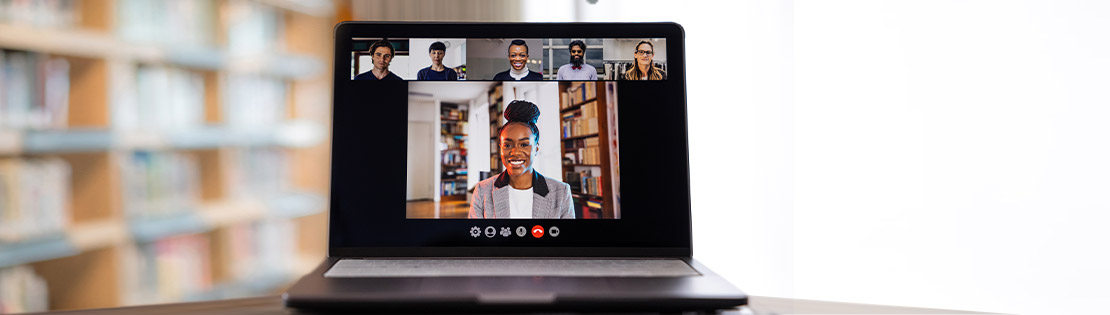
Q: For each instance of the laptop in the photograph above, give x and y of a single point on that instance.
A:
(510, 167)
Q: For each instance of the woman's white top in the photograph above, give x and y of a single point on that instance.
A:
(520, 203)
(518, 74)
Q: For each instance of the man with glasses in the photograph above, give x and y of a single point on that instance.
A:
(577, 69)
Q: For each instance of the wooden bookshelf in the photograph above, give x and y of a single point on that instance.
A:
(496, 107)
(88, 264)
(584, 133)
(453, 121)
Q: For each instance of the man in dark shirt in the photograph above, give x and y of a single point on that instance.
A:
(518, 64)
(381, 52)
(437, 72)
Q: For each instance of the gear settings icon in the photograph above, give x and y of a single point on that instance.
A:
(475, 231)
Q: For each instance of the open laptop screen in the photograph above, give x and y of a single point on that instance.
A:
(484, 141)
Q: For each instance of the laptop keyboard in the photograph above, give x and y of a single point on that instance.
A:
(365, 268)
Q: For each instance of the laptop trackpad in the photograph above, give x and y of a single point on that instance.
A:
(515, 290)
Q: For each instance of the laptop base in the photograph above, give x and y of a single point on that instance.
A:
(513, 294)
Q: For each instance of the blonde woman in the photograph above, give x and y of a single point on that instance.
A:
(645, 69)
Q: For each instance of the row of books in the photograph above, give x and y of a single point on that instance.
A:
(452, 142)
(451, 113)
(454, 158)
(21, 290)
(258, 249)
(188, 23)
(166, 98)
(253, 27)
(260, 172)
(454, 172)
(39, 13)
(34, 198)
(495, 97)
(254, 102)
(580, 122)
(582, 151)
(162, 98)
(164, 183)
(494, 163)
(180, 267)
(590, 205)
(167, 270)
(159, 183)
(584, 182)
(453, 188)
(577, 93)
(453, 127)
(34, 91)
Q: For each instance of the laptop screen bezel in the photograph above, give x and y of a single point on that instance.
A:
(673, 33)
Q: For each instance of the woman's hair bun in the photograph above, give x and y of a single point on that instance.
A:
(522, 111)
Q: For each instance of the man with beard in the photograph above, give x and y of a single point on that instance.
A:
(577, 69)
(381, 55)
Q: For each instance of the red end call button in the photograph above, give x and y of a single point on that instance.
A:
(537, 231)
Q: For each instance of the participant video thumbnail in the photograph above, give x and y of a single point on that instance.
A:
(513, 150)
(506, 59)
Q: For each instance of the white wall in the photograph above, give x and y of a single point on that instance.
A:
(548, 160)
(947, 154)
(477, 146)
(418, 53)
(423, 158)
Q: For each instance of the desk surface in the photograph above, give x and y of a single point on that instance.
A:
(272, 305)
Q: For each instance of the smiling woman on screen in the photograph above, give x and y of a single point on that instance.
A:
(520, 192)
(518, 64)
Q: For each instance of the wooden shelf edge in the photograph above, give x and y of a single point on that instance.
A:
(219, 214)
(227, 213)
(98, 234)
(96, 44)
(293, 134)
(11, 142)
(576, 106)
(320, 8)
(581, 136)
(79, 238)
(70, 42)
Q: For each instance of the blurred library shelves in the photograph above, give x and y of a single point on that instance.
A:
(161, 151)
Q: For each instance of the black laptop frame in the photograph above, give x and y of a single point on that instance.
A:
(345, 31)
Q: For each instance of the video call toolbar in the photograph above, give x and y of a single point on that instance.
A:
(537, 231)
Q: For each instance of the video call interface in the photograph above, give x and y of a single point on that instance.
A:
(529, 129)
